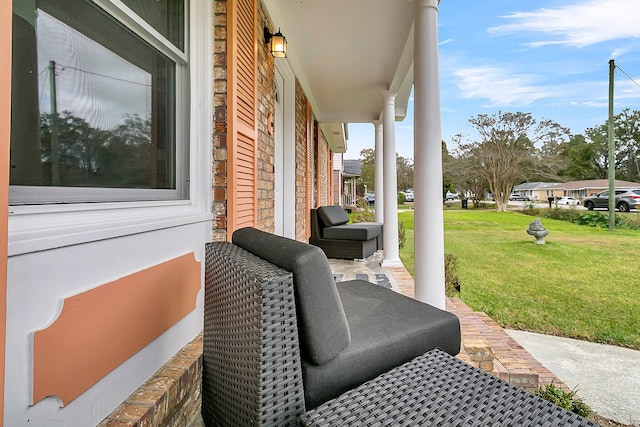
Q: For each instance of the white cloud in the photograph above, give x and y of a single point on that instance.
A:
(594, 104)
(503, 88)
(499, 87)
(578, 25)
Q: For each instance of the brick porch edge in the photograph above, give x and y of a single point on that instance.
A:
(170, 398)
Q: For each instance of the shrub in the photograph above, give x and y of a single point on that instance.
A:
(592, 219)
(402, 238)
(565, 399)
(401, 198)
(595, 219)
(364, 216)
(531, 211)
(451, 281)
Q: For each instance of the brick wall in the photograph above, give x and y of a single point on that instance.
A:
(219, 137)
(266, 144)
(324, 174)
(301, 165)
(171, 397)
(336, 187)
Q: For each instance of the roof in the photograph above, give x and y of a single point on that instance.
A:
(598, 184)
(352, 168)
(590, 184)
(532, 185)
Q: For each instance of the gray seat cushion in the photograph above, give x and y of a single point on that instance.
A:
(358, 231)
(323, 327)
(332, 215)
(387, 330)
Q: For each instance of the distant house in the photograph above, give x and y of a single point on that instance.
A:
(576, 189)
(351, 175)
(346, 173)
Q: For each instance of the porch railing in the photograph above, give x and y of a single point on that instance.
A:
(349, 199)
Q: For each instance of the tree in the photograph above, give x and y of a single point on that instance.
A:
(512, 148)
(581, 160)
(464, 172)
(627, 141)
(404, 169)
(448, 177)
(88, 156)
(368, 166)
(627, 137)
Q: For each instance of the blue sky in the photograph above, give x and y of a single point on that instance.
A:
(549, 58)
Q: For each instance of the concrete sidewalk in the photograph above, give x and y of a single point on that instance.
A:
(607, 378)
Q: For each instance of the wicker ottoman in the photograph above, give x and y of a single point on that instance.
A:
(437, 389)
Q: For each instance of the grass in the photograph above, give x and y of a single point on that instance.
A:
(581, 284)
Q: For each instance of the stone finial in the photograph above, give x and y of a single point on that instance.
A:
(537, 230)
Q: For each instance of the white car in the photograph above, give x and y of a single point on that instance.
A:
(567, 201)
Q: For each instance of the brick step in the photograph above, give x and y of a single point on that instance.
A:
(487, 346)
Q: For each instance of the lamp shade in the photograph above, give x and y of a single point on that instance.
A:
(278, 45)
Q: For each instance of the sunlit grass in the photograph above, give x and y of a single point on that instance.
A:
(581, 284)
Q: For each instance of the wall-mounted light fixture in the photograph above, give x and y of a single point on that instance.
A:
(277, 43)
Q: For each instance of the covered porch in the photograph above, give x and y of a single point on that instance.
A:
(256, 134)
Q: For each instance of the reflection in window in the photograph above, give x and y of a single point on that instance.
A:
(102, 99)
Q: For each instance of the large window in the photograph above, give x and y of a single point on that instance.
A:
(99, 101)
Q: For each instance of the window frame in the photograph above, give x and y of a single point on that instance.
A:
(36, 228)
(48, 195)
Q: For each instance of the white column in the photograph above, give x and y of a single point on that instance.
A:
(391, 250)
(378, 173)
(429, 220)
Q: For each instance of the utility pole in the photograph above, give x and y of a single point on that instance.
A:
(612, 151)
(55, 155)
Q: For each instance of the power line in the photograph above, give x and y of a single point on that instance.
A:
(628, 76)
(62, 67)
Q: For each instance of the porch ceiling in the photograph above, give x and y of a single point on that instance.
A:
(345, 54)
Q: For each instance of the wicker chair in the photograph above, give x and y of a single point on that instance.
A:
(331, 233)
(259, 339)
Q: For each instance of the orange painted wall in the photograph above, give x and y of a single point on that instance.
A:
(5, 125)
(99, 329)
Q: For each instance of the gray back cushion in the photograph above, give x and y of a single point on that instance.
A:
(332, 215)
(324, 331)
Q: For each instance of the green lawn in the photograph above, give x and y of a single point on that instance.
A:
(583, 283)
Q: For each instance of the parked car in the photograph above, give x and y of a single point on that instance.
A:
(626, 199)
(567, 201)
(370, 198)
(518, 196)
(408, 196)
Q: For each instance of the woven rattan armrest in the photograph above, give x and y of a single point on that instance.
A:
(251, 357)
